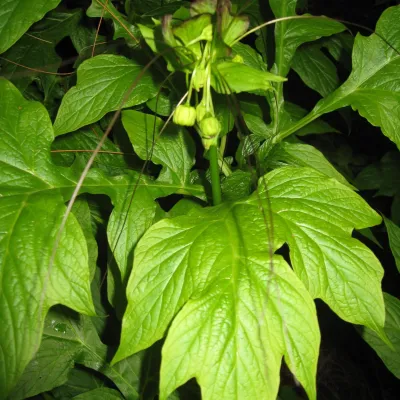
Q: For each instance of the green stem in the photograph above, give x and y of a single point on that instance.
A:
(214, 169)
(295, 127)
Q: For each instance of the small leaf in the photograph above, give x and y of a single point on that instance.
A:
(227, 78)
(101, 393)
(87, 139)
(233, 27)
(236, 186)
(394, 240)
(122, 27)
(315, 69)
(79, 381)
(173, 148)
(103, 83)
(304, 155)
(18, 15)
(390, 356)
(37, 50)
(192, 30)
(250, 56)
(293, 113)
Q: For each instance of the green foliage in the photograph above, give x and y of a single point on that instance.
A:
(210, 220)
(17, 16)
(388, 354)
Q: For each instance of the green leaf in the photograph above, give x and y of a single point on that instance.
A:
(233, 312)
(162, 104)
(82, 214)
(236, 186)
(292, 113)
(193, 30)
(394, 240)
(68, 339)
(183, 207)
(153, 8)
(373, 87)
(250, 56)
(304, 155)
(32, 207)
(174, 149)
(209, 267)
(122, 27)
(103, 83)
(37, 50)
(232, 27)
(315, 69)
(101, 393)
(390, 356)
(87, 139)
(227, 78)
(318, 215)
(79, 381)
(383, 176)
(211, 256)
(290, 34)
(18, 15)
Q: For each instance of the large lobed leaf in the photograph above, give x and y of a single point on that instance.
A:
(16, 16)
(209, 264)
(231, 306)
(31, 209)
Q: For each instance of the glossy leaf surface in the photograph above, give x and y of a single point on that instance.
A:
(32, 207)
(187, 262)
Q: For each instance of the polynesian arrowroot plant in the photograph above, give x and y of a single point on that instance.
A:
(143, 232)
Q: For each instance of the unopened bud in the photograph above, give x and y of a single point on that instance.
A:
(185, 115)
(210, 127)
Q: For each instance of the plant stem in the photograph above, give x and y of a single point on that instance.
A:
(214, 169)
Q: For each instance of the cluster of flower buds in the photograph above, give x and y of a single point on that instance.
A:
(210, 127)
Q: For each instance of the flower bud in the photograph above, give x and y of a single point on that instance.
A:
(210, 127)
(201, 111)
(184, 115)
(199, 77)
